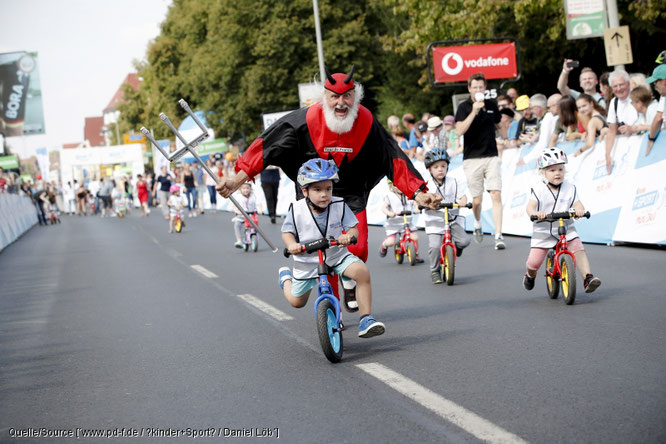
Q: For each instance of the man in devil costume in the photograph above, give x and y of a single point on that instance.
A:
(339, 128)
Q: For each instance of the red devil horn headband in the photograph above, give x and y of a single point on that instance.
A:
(339, 82)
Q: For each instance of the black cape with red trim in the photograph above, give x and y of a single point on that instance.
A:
(364, 155)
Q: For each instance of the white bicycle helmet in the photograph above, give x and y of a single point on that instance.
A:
(551, 156)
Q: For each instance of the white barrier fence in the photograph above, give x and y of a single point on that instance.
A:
(629, 205)
(17, 215)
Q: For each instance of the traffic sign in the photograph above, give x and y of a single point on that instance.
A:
(618, 46)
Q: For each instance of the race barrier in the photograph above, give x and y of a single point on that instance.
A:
(17, 215)
(629, 205)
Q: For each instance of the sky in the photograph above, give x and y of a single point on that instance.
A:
(85, 50)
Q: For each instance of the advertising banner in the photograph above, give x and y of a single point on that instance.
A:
(585, 18)
(21, 110)
(457, 63)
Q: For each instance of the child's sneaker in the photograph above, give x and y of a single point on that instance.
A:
(436, 277)
(499, 243)
(370, 327)
(528, 282)
(239, 244)
(284, 274)
(382, 251)
(478, 235)
(591, 283)
(351, 305)
(419, 260)
(459, 251)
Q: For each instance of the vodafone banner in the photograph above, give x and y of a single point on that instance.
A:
(457, 63)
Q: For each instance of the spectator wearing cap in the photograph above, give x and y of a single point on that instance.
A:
(658, 77)
(538, 108)
(454, 145)
(588, 82)
(546, 114)
(621, 115)
(436, 136)
(476, 118)
(504, 137)
(528, 124)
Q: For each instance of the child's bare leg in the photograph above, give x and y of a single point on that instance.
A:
(582, 263)
(389, 241)
(294, 301)
(360, 273)
(171, 224)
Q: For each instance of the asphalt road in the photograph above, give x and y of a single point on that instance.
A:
(105, 325)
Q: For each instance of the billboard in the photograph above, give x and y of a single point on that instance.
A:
(21, 110)
(457, 63)
(585, 18)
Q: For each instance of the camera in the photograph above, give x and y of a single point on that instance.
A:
(573, 64)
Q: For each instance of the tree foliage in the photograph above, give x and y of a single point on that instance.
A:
(240, 59)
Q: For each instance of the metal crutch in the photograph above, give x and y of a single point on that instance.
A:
(190, 147)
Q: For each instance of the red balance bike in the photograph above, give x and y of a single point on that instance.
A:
(448, 251)
(560, 262)
(250, 240)
(406, 245)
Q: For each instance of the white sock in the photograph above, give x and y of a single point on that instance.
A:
(477, 224)
(348, 284)
(498, 235)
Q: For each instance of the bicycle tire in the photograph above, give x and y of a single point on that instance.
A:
(568, 279)
(254, 243)
(411, 253)
(449, 265)
(330, 337)
(552, 283)
(399, 255)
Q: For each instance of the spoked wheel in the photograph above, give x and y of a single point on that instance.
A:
(253, 242)
(330, 336)
(449, 269)
(399, 255)
(411, 253)
(552, 284)
(568, 277)
(179, 225)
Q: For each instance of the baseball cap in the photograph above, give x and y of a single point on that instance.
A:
(434, 122)
(658, 74)
(508, 112)
(449, 120)
(522, 102)
(422, 127)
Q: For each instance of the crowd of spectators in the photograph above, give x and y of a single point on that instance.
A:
(602, 108)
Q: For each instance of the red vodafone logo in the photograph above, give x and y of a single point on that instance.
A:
(457, 63)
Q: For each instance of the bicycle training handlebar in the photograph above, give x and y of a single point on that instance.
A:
(404, 213)
(319, 244)
(552, 217)
(448, 205)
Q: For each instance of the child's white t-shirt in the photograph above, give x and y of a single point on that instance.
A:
(450, 192)
(545, 234)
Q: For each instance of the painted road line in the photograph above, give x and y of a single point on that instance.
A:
(266, 308)
(449, 410)
(201, 269)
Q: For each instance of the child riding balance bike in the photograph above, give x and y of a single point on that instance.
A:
(446, 232)
(560, 243)
(399, 225)
(317, 218)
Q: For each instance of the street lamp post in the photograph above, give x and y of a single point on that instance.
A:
(320, 49)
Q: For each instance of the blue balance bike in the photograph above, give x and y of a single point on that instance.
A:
(327, 306)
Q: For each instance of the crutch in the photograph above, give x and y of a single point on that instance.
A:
(190, 147)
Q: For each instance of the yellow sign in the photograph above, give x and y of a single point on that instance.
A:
(618, 46)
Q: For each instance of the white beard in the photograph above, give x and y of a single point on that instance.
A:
(337, 125)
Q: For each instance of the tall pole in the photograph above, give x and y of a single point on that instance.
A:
(613, 19)
(320, 48)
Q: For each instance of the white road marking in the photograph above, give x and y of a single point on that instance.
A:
(201, 269)
(266, 308)
(449, 410)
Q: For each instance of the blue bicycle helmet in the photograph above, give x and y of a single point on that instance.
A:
(434, 155)
(317, 170)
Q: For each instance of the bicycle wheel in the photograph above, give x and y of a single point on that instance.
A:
(254, 244)
(568, 277)
(178, 225)
(411, 253)
(330, 336)
(552, 285)
(399, 255)
(449, 265)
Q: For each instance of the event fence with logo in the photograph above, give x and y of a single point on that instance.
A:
(17, 215)
(629, 205)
